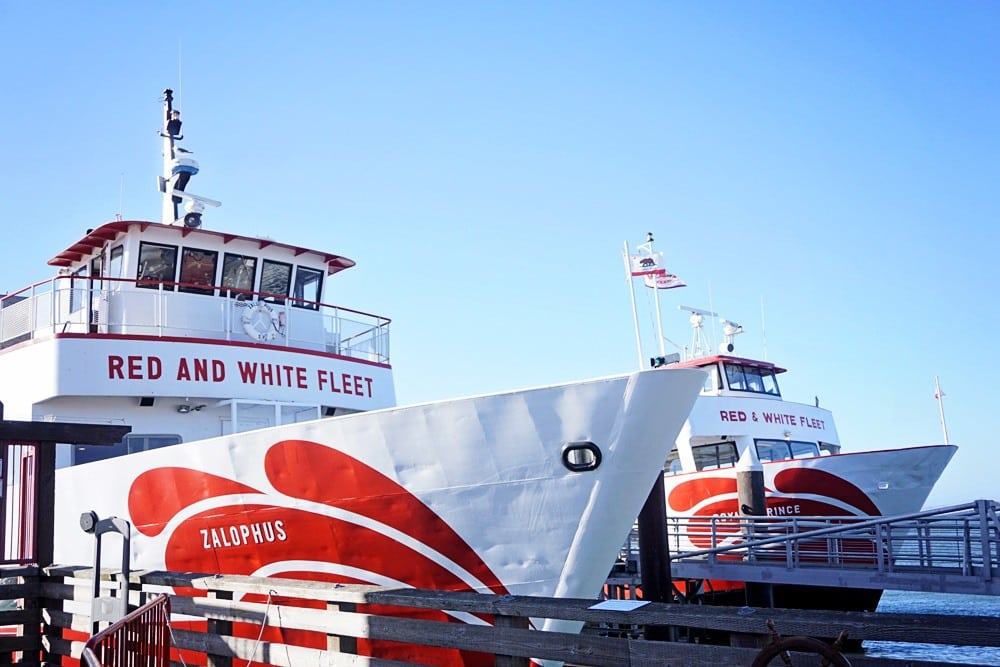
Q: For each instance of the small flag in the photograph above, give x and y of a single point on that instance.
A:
(664, 281)
(647, 265)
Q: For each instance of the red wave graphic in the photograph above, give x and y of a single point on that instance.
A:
(243, 538)
(359, 488)
(157, 495)
(691, 492)
(820, 482)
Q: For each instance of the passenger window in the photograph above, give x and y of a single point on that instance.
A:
(130, 444)
(717, 455)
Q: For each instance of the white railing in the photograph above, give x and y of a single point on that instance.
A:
(66, 304)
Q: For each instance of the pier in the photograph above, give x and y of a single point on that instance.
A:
(234, 620)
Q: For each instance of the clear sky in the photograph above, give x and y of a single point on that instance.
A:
(832, 166)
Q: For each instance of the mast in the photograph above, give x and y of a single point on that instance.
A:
(178, 168)
(169, 213)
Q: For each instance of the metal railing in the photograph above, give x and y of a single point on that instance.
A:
(141, 638)
(959, 540)
(67, 304)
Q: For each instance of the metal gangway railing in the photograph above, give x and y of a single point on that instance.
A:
(141, 638)
(952, 549)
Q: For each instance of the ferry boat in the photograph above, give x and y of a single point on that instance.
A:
(264, 437)
(741, 421)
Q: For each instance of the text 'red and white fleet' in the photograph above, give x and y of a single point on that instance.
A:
(264, 438)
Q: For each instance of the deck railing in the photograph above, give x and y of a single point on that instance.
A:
(67, 304)
(141, 638)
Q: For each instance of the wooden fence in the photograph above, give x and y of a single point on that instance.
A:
(227, 620)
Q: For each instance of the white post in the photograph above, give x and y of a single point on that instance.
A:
(656, 300)
(635, 315)
(939, 395)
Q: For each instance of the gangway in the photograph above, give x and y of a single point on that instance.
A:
(948, 550)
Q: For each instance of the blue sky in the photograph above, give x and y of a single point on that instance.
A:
(484, 162)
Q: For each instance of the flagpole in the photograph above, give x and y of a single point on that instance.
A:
(635, 314)
(939, 395)
(656, 297)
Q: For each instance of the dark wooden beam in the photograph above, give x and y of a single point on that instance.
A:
(72, 434)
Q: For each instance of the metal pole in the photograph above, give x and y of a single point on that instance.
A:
(635, 315)
(939, 395)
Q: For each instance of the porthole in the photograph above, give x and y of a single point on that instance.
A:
(581, 456)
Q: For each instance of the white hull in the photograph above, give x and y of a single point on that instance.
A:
(468, 494)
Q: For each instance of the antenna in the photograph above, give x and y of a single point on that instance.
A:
(699, 344)
(120, 215)
(763, 329)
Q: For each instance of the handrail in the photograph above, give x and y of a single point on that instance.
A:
(144, 633)
(104, 305)
(842, 525)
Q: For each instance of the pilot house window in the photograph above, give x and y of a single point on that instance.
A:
(198, 268)
(156, 263)
(275, 277)
(308, 284)
(238, 274)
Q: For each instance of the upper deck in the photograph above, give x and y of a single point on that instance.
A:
(144, 279)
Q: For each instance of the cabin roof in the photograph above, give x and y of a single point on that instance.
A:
(714, 359)
(96, 238)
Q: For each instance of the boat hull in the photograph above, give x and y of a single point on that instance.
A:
(471, 494)
(873, 483)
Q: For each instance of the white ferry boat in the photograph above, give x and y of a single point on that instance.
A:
(264, 439)
(741, 414)
(742, 421)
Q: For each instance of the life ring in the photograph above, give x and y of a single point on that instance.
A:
(259, 321)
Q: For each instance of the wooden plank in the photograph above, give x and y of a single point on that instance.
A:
(501, 623)
(220, 627)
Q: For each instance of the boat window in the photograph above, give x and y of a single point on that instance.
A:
(308, 284)
(716, 455)
(76, 291)
(712, 382)
(115, 266)
(238, 273)
(275, 277)
(781, 450)
(198, 268)
(752, 379)
(673, 465)
(130, 444)
(157, 263)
